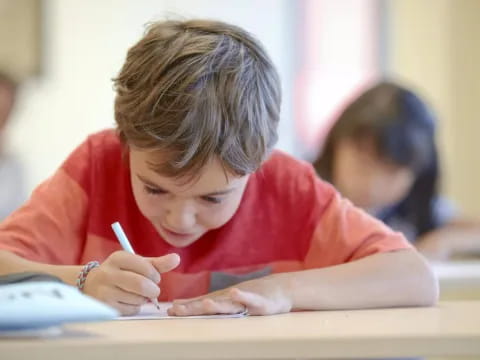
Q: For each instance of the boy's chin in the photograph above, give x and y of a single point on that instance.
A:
(179, 241)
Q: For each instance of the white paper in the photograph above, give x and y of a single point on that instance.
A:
(150, 312)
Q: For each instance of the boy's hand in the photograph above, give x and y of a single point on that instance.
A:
(127, 281)
(264, 296)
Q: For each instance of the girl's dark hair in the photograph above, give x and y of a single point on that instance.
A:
(403, 130)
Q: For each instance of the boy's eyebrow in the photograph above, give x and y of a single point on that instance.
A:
(214, 193)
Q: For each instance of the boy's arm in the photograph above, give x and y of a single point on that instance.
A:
(11, 263)
(371, 266)
(124, 281)
(50, 226)
(397, 278)
(393, 279)
(46, 230)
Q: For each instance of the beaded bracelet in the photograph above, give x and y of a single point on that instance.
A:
(82, 276)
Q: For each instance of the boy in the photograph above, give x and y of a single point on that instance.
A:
(191, 175)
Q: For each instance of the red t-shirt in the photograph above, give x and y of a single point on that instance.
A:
(288, 220)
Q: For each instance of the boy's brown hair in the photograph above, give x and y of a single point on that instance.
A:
(198, 89)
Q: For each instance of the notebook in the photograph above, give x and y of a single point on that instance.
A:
(45, 303)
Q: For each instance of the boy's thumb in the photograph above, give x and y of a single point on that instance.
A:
(165, 263)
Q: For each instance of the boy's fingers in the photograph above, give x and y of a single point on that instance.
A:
(127, 297)
(136, 264)
(217, 295)
(227, 306)
(171, 311)
(205, 306)
(165, 263)
(255, 304)
(185, 301)
(189, 309)
(137, 284)
(126, 309)
(189, 300)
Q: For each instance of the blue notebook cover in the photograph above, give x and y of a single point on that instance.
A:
(37, 304)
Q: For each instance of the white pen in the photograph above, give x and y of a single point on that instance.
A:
(123, 240)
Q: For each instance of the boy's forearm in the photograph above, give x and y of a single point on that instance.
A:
(11, 263)
(400, 278)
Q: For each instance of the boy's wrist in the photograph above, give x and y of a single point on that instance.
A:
(287, 284)
(305, 289)
(82, 275)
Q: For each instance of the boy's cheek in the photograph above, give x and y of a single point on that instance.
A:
(224, 213)
(215, 218)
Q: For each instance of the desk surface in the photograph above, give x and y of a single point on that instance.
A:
(451, 328)
(459, 280)
(451, 271)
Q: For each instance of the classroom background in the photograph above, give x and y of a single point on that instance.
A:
(64, 53)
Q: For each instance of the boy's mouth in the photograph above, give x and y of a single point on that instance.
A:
(175, 233)
(177, 239)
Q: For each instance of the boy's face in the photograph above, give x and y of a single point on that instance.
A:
(182, 213)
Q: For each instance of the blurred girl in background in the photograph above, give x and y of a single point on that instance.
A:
(381, 154)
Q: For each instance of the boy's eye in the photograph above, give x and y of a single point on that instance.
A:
(153, 191)
(156, 191)
(212, 199)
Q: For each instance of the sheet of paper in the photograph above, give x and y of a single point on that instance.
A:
(150, 312)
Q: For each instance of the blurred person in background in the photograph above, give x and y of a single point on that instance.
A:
(381, 154)
(11, 174)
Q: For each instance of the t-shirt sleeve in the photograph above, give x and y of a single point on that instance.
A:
(343, 232)
(50, 226)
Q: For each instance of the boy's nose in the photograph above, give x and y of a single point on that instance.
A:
(181, 220)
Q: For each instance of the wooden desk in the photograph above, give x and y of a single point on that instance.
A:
(451, 328)
(459, 280)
